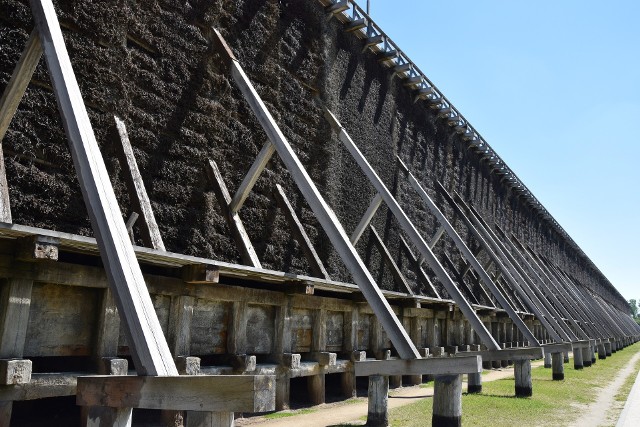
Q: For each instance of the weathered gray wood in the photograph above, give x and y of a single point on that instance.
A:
(316, 385)
(436, 237)
(378, 401)
(209, 419)
(586, 356)
(417, 262)
(9, 104)
(201, 273)
(398, 277)
(247, 252)
(468, 255)
(577, 358)
(15, 303)
(5, 413)
(474, 382)
(374, 205)
(237, 334)
(557, 367)
(15, 371)
(300, 234)
(37, 248)
(218, 393)
(107, 330)
(434, 366)
(547, 360)
(326, 217)
(259, 164)
(149, 348)
(179, 334)
(522, 372)
(447, 401)
(137, 192)
(98, 416)
(415, 237)
(526, 353)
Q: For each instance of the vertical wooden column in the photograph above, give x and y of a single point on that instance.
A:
(415, 332)
(282, 355)
(522, 371)
(602, 353)
(547, 360)
(447, 401)
(316, 383)
(586, 356)
(348, 379)
(100, 416)
(557, 367)
(378, 395)
(577, 358)
(474, 380)
(15, 303)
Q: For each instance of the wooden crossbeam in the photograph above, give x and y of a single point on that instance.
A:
(326, 217)
(374, 205)
(300, 234)
(240, 236)
(137, 191)
(216, 393)
(420, 271)
(528, 353)
(415, 237)
(250, 179)
(432, 366)
(149, 347)
(484, 237)
(398, 277)
(9, 102)
(461, 281)
(469, 256)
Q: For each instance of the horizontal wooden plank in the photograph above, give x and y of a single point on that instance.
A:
(557, 347)
(41, 386)
(439, 366)
(527, 353)
(224, 393)
(580, 344)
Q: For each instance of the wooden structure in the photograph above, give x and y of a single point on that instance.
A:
(259, 332)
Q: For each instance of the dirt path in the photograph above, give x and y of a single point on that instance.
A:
(596, 413)
(351, 411)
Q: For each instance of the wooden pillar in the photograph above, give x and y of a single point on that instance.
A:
(378, 395)
(447, 401)
(348, 379)
(415, 332)
(282, 355)
(547, 360)
(577, 358)
(557, 367)
(586, 356)
(474, 380)
(101, 416)
(607, 348)
(495, 332)
(15, 303)
(602, 353)
(209, 419)
(316, 383)
(565, 357)
(592, 349)
(522, 371)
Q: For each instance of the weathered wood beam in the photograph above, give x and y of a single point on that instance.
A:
(216, 393)
(137, 192)
(326, 217)
(300, 234)
(366, 218)
(243, 243)
(398, 277)
(149, 348)
(15, 303)
(469, 256)
(250, 179)
(407, 226)
(420, 271)
(432, 366)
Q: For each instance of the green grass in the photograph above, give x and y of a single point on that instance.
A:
(553, 403)
(285, 414)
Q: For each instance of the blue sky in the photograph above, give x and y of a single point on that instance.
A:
(554, 87)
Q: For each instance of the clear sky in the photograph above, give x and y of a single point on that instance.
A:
(554, 88)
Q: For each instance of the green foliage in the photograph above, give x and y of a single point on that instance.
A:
(555, 402)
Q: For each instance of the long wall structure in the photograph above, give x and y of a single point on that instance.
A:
(153, 64)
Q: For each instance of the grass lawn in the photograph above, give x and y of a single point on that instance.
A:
(554, 403)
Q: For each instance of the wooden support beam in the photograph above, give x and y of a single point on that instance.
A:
(243, 243)
(9, 105)
(250, 179)
(434, 366)
(468, 255)
(300, 234)
(398, 277)
(447, 401)
(137, 192)
(217, 393)
(522, 372)
(525, 353)
(366, 218)
(326, 217)
(15, 303)
(407, 226)
(149, 348)
(378, 401)
(420, 271)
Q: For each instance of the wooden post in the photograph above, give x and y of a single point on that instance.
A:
(577, 358)
(102, 416)
(602, 353)
(209, 419)
(586, 356)
(557, 367)
(378, 394)
(522, 371)
(282, 355)
(447, 401)
(474, 380)
(547, 360)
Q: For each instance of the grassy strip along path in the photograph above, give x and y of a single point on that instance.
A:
(554, 403)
